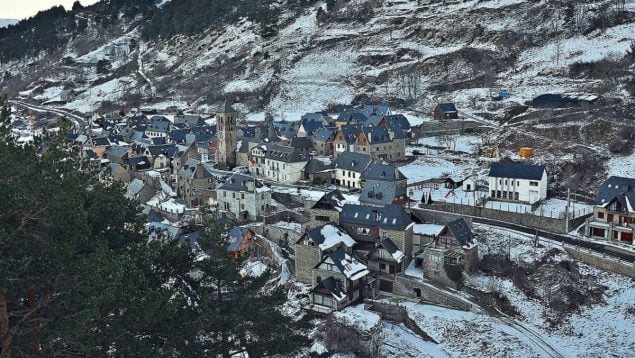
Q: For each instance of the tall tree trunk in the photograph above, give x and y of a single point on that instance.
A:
(5, 337)
(31, 300)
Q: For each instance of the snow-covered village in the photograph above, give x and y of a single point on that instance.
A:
(358, 178)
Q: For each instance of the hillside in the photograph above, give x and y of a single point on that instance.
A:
(410, 52)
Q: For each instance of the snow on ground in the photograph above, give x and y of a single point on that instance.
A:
(289, 225)
(253, 269)
(468, 334)
(358, 317)
(400, 341)
(605, 329)
(315, 81)
(432, 168)
(622, 166)
(112, 91)
(464, 143)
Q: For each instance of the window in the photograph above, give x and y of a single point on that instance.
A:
(600, 215)
(517, 183)
(233, 195)
(322, 218)
(500, 181)
(493, 193)
(363, 231)
(505, 181)
(515, 196)
(224, 194)
(242, 195)
(498, 194)
(533, 183)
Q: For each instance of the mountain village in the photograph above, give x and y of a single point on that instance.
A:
(451, 221)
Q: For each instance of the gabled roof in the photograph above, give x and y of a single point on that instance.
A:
(178, 135)
(447, 107)
(117, 152)
(378, 109)
(140, 162)
(349, 266)
(328, 236)
(100, 141)
(301, 142)
(377, 135)
(324, 134)
(226, 108)
(156, 150)
(516, 171)
(162, 127)
(285, 154)
(381, 192)
(382, 172)
(461, 231)
(353, 115)
(238, 182)
(612, 187)
(350, 132)
(333, 200)
(329, 286)
(311, 122)
(626, 202)
(135, 186)
(352, 161)
(236, 235)
(317, 166)
(390, 217)
(394, 121)
(392, 249)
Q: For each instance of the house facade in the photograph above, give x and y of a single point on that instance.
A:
(517, 182)
(349, 167)
(244, 196)
(613, 212)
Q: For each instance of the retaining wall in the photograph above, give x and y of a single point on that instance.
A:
(605, 263)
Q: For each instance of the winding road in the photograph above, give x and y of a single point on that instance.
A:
(78, 121)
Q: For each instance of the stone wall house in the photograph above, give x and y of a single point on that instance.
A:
(314, 244)
(346, 139)
(327, 209)
(369, 225)
(244, 196)
(383, 184)
(319, 171)
(455, 247)
(323, 140)
(196, 183)
(339, 280)
(385, 261)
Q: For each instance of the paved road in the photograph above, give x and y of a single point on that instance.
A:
(78, 121)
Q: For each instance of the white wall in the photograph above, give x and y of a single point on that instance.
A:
(526, 192)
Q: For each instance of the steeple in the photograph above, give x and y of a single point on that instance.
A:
(226, 108)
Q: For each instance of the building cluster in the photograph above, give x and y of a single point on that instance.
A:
(346, 249)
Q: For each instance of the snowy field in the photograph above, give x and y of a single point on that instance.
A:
(622, 166)
(432, 168)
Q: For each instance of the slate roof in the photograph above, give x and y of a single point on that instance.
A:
(333, 200)
(317, 166)
(313, 121)
(324, 134)
(117, 152)
(140, 162)
(156, 150)
(461, 231)
(380, 109)
(238, 182)
(377, 135)
(348, 265)
(178, 135)
(394, 121)
(329, 235)
(301, 142)
(447, 107)
(382, 172)
(236, 236)
(248, 131)
(381, 192)
(352, 161)
(392, 249)
(135, 186)
(194, 169)
(516, 171)
(612, 187)
(390, 217)
(329, 286)
(162, 127)
(100, 141)
(226, 108)
(158, 140)
(352, 115)
(285, 154)
(350, 132)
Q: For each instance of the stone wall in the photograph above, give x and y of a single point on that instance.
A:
(528, 220)
(398, 314)
(306, 258)
(405, 286)
(605, 263)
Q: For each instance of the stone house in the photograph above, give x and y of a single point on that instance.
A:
(383, 184)
(368, 226)
(454, 247)
(323, 140)
(613, 214)
(339, 280)
(319, 171)
(346, 139)
(385, 261)
(314, 244)
(327, 209)
(381, 144)
(196, 183)
(244, 196)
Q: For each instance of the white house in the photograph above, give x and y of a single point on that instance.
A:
(469, 184)
(517, 182)
(246, 197)
(349, 167)
(283, 164)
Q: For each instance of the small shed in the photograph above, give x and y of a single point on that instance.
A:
(469, 184)
(446, 111)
